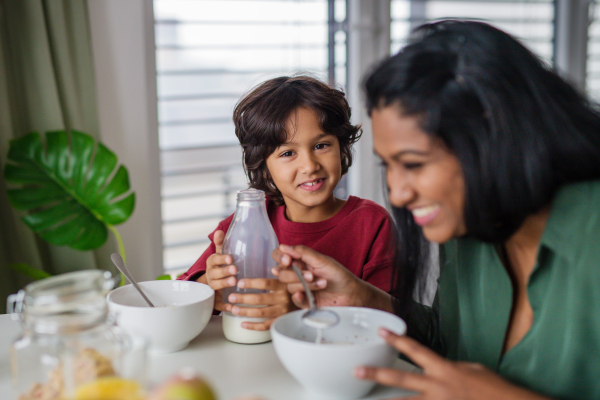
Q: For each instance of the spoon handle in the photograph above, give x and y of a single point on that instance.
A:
(118, 261)
(311, 298)
(141, 292)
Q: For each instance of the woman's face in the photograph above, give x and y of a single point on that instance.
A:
(422, 175)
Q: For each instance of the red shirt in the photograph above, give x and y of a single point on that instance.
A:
(359, 237)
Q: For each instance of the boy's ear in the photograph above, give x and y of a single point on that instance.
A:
(268, 179)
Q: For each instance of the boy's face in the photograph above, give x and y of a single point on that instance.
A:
(307, 168)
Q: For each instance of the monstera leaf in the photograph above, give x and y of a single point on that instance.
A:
(69, 188)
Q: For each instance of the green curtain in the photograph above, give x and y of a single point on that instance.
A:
(46, 83)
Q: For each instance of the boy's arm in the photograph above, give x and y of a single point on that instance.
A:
(209, 265)
(198, 269)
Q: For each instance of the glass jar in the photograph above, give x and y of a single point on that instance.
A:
(250, 240)
(69, 347)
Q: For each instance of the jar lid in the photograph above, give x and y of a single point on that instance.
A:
(65, 303)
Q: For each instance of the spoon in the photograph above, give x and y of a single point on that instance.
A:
(118, 261)
(315, 317)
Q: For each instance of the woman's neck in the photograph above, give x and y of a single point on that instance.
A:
(300, 213)
(520, 257)
(522, 247)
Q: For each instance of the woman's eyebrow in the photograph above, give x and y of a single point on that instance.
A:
(410, 151)
(398, 155)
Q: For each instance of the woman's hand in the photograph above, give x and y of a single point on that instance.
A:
(331, 283)
(220, 273)
(274, 303)
(443, 379)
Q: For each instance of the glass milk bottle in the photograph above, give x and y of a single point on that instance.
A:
(250, 240)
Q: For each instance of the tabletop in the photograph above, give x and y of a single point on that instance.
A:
(233, 370)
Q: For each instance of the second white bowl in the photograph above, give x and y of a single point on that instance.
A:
(327, 369)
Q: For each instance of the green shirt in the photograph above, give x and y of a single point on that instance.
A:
(560, 355)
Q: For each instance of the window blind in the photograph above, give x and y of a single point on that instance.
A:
(593, 51)
(531, 21)
(210, 52)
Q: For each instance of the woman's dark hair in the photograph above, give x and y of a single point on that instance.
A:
(260, 118)
(519, 130)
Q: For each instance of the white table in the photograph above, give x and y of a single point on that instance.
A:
(233, 370)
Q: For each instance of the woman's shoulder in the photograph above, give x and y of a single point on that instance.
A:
(578, 202)
(573, 227)
(585, 189)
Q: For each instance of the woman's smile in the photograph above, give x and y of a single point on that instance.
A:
(425, 215)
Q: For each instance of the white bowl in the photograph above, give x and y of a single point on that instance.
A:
(182, 310)
(327, 369)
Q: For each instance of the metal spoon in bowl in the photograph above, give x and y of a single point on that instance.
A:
(118, 261)
(315, 317)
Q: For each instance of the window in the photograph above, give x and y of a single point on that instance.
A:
(208, 53)
(532, 21)
(593, 52)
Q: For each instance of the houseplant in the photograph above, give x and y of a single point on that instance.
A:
(71, 189)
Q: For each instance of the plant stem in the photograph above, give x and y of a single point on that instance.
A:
(121, 248)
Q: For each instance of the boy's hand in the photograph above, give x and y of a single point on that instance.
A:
(275, 303)
(220, 273)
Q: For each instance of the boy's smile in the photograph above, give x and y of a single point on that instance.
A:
(307, 168)
(313, 185)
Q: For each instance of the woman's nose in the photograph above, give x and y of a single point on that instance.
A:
(400, 191)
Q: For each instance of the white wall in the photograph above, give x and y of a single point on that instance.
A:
(122, 34)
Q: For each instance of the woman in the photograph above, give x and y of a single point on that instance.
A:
(496, 158)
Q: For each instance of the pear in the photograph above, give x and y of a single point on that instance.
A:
(184, 386)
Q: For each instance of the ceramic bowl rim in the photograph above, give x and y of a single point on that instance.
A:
(109, 299)
(337, 347)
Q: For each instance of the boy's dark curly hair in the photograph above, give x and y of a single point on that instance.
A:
(260, 118)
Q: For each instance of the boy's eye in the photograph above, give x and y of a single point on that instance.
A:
(321, 146)
(288, 153)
